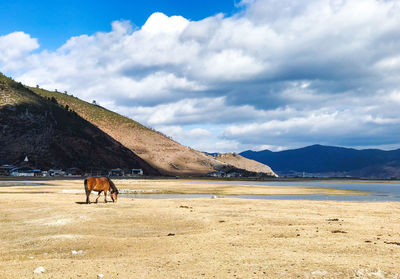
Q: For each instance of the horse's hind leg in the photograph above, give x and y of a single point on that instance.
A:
(105, 196)
(87, 191)
(98, 196)
(87, 197)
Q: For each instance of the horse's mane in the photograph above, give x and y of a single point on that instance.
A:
(112, 185)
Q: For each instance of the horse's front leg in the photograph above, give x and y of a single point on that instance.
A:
(105, 196)
(98, 196)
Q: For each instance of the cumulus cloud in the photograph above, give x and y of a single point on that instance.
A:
(330, 126)
(197, 110)
(13, 50)
(277, 73)
(181, 135)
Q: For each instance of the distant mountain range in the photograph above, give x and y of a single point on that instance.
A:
(330, 161)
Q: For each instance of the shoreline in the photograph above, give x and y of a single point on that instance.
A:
(176, 187)
(190, 178)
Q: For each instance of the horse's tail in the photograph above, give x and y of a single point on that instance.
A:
(86, 187)
(113, 187)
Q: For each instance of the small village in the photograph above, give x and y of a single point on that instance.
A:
(24, 170)
(17, 171)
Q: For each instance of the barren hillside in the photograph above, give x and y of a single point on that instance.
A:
(244, 163)
(161, 152)
(53, 136)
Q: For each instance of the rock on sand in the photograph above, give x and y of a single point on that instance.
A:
(39, 270)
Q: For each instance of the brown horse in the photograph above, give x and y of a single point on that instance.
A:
(100, 184)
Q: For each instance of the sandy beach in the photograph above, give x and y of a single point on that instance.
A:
(49, 226)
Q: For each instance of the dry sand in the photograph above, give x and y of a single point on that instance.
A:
(193, 238)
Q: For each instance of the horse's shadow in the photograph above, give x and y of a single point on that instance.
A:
(80, 202)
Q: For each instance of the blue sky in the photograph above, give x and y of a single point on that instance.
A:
(221, 76)
(55, 21)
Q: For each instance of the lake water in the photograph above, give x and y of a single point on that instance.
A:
(378, 190)
(12, 184)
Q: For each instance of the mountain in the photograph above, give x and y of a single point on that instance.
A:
(161, 152)
(52, 136)
(244, 163)
(331, 161)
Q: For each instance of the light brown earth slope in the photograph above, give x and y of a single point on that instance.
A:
(161, 152)
(52, 136)
(244, 163)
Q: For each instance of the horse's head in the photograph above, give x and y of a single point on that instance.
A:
(114, 196)
(113, 190)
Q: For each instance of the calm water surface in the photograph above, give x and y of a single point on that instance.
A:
(378, 190)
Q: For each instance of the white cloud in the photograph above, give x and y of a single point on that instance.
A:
(158, 23)
(354, 126)
(269, 147)
(177, 133)
(274, 74)
(13, 50)
(189, 111)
